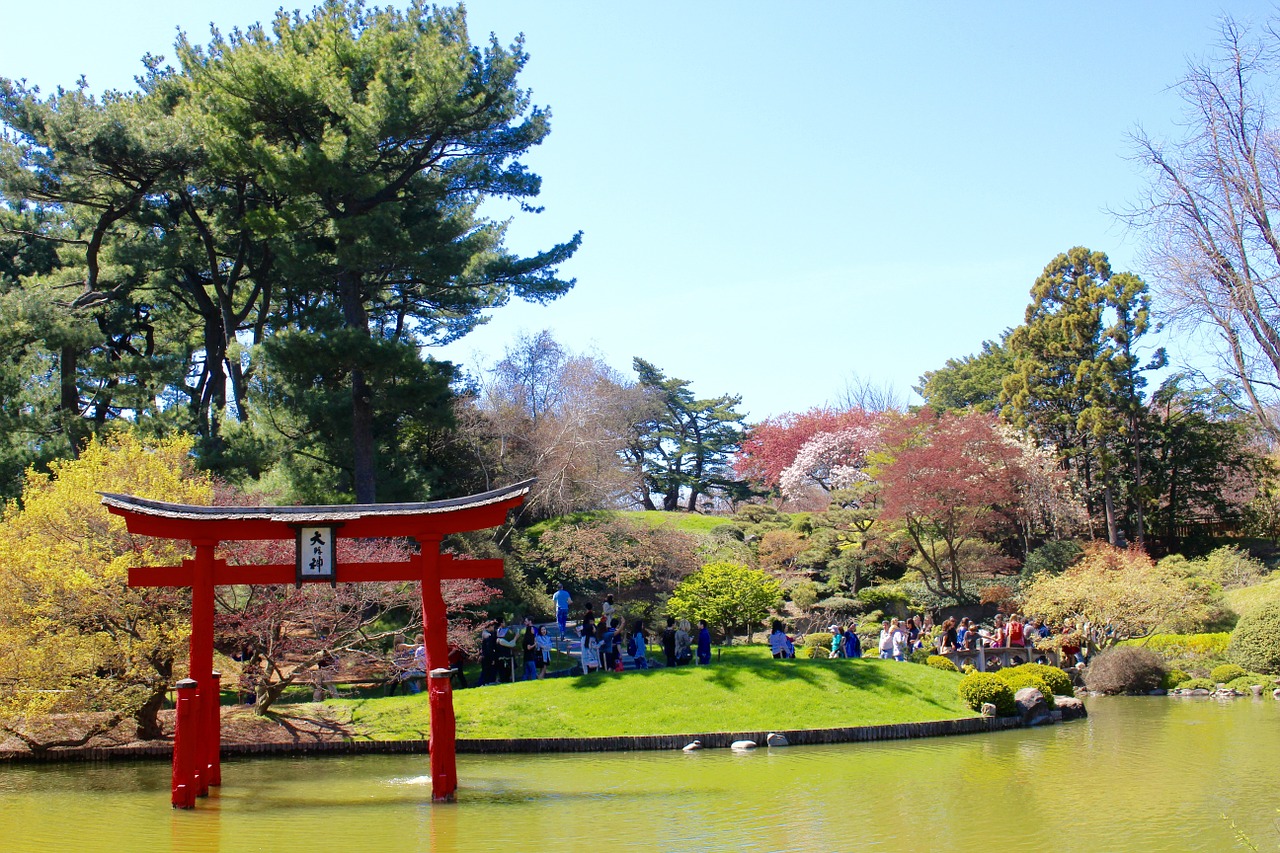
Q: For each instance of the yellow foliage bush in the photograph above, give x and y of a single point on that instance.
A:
(73, 635)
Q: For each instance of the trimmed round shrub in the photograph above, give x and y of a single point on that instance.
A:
(1197, 684)
(1124, 669)
(1226, 672)
(840, 605)
(942, 663)
(818, 645)
(1059, 682)
(920, 656)
(728, 531)
(968, 668)
(1255, 643)
(1018, 680)
(1174, 678)
(979, 687)
(1245, 682)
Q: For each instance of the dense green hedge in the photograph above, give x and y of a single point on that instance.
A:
(977, 688)
(1255, 643)
(1197, 683)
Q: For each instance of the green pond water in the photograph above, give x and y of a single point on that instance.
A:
(1139, 774)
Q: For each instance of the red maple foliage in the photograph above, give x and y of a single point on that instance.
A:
(948, 488)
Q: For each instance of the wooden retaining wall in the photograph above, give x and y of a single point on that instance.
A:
(490, 746)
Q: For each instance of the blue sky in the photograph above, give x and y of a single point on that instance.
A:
(776, 197)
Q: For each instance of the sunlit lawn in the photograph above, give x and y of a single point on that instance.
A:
(745, 690)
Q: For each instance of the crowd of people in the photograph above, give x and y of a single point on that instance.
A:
(508, 652)
(898, 638)
(604, 638)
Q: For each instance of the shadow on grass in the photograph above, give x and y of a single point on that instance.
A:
(866, 674)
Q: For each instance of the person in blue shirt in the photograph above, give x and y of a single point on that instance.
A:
(704, 643)
(562, 601)
(852, 644)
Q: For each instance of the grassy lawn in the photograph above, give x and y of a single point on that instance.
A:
(746, 690)
(1249, 598)
(688, 522)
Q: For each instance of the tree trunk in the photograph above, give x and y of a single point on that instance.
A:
(69, 397)
(148, 716)
(266, 695)
(365, 474)
(692, 505)
(1110, 510)
(1140, 535)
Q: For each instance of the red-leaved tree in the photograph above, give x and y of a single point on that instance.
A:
(949, 489)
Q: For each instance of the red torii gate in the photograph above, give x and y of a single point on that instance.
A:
(198, 735)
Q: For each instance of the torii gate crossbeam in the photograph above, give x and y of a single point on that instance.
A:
(197, 737)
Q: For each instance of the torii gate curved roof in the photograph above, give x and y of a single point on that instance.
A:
(166, 520)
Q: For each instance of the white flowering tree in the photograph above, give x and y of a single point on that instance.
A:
(828, 462)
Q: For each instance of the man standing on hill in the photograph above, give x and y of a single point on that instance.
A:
(562, 601)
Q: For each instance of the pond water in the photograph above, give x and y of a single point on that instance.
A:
(1139, 774)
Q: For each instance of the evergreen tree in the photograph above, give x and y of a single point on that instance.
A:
(1076, 381)
(685, 449)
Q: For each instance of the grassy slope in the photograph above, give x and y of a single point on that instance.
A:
(1247, 598)
(747, 690)
(688, 522)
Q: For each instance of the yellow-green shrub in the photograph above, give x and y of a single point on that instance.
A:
(1059, 682)
(1245, 682)
(942, 663)
(1018, 678)
(977, 688)
(1179, 646)
(1226, 672)
(818, 645)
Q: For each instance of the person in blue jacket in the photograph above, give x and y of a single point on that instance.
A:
(852, 645)
(704, 643)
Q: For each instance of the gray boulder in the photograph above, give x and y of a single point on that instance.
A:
(988, 710)
(1032, 707)
(743, 744)
(1070, 707)
(775, 739)
(693, 745)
